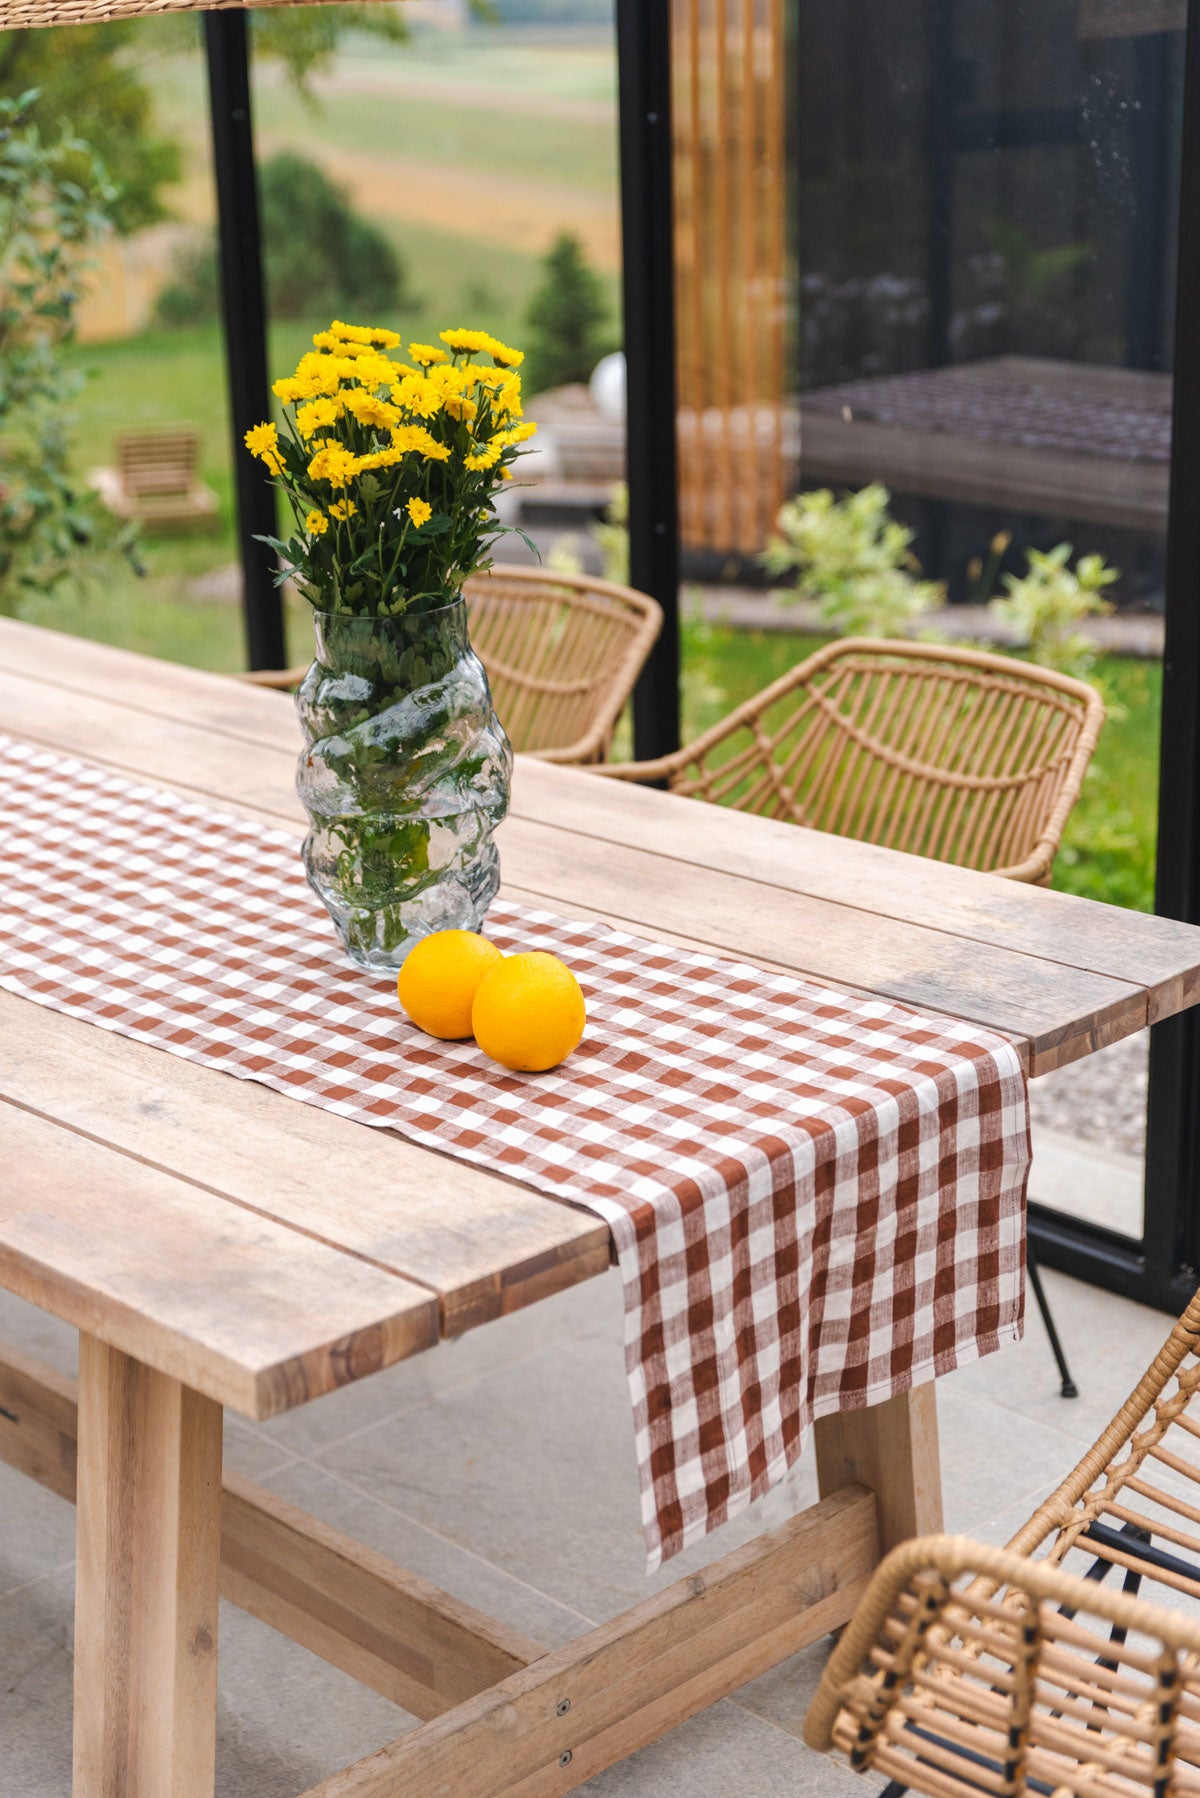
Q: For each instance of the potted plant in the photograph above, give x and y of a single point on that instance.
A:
(389, 467)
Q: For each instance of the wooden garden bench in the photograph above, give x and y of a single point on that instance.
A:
(156, 480)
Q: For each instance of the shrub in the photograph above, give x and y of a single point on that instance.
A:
(565, 319)
(321, 256)
(55, 208)
(854, 560)
(1047, 602)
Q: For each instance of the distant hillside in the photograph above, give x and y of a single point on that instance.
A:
(555, 12)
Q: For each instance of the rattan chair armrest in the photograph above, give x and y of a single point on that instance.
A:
(1035, 870)
(644, 773)
(586, 752)
(951, 1558)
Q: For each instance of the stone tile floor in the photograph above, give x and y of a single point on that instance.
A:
(501, 1467)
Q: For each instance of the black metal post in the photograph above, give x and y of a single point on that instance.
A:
(244, 312)
(647, 234)
(1173, 1122)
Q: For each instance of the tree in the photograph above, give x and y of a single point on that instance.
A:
(565, 318)
(55, 206)
(321, 255)
(92, 80)
(88, 86)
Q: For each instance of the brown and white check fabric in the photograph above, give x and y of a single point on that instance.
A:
(817, 1199)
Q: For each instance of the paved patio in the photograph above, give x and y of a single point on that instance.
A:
(501, 1466)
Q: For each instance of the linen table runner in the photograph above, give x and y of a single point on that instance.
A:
(817, 1199)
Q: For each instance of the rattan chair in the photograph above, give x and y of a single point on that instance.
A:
(562, 652)
(971, 1670)
(945, 752)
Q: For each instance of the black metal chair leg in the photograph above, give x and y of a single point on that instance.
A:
(893, 1790)
(1069, 1388)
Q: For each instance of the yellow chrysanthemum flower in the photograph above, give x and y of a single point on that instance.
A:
(290, 389)
(316, 524)
(487, 457)
(343, 509)
(470, 341)
(324, 371)
(420, 511)
(366, 334)
(478, 373)
(418, 395)
(506, 402)
(387, 458)
(426, 354)
(332, 462)
(416, 437)
(483, 343)
(349, 347)
(457, 405)
(316, 415)
(515, 434)
(375, 413)
(317, 375)
(263, 441)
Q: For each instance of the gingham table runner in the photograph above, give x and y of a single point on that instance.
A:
(817, 1199)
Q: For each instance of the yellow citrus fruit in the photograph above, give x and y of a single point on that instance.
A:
(529, 1012)
(438, 977)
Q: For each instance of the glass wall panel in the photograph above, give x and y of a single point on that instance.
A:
(986, 198)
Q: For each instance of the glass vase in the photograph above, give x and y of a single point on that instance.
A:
(405, 775)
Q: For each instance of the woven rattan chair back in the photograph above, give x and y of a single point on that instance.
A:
(1015, 1671)
(944, 752)
(562, 652)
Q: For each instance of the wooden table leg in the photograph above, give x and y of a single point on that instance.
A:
(893, 1449)
(149, 1545)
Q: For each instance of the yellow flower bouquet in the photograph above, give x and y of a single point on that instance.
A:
(390, 465)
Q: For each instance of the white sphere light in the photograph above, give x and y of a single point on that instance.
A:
(607, 385)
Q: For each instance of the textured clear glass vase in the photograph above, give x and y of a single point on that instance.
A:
(404, 777)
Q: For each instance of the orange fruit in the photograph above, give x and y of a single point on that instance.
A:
(529, 1012)
(438, 977)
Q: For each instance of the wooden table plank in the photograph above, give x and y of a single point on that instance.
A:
(1060, 1011)
(168, 752)
(216, 702)
(485, 1245)
(1158, 953)
(238, 1307)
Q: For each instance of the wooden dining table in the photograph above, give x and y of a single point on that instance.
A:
(187, 1224)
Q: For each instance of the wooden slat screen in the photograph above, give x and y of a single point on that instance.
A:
(732, 298)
